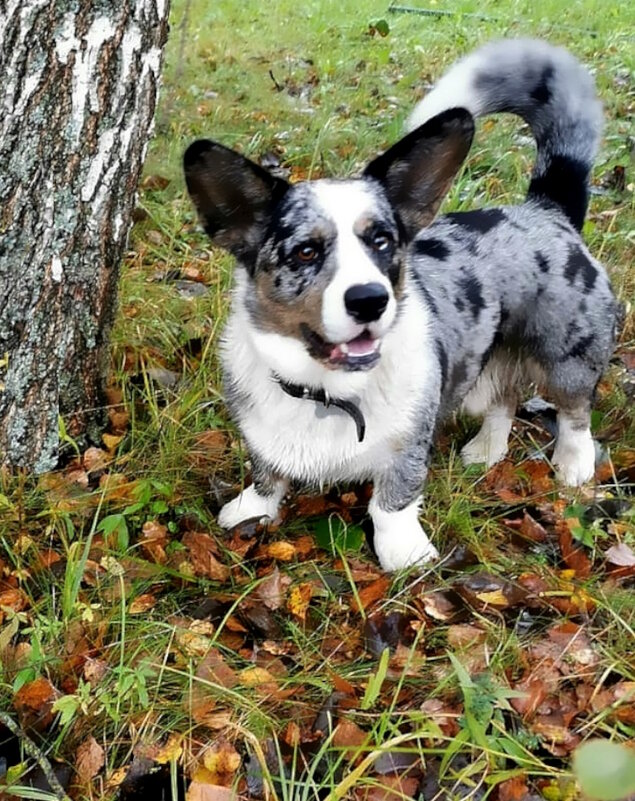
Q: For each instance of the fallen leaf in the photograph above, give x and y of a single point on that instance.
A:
(281, 550)
(34, 703)
(371, 593)
(89, 759)
(388, 788)
(199, 791)
(621, 555)
(272, 589)
(201, 548)
(255, 677)
(222, 760)
(348, 735)
(170, 751)
(514, 789)
(299, 599)
(142, 603)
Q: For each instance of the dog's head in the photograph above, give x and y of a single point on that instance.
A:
(325, 259)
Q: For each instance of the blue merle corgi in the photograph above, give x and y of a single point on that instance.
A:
(358, 321)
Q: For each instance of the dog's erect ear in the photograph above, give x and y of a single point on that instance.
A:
(417, 171)
(233, 195)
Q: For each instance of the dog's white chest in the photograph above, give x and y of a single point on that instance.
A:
(304, 440)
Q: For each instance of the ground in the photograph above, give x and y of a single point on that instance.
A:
(144, 652)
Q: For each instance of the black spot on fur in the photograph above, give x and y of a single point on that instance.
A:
(459, 305)
(578, 264)
(426, 294)
(443, 362)
(566, 184)
(541, 92)
(582, 308)
(472, 290)
(434, 248)
(481, 220)
(581, 347)
(542, 262)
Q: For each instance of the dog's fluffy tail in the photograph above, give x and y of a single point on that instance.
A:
(551, 91)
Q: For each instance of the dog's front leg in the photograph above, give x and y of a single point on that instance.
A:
(261, 499)
(399, 539)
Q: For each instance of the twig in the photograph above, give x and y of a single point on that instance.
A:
(33, 751)
(435, 12)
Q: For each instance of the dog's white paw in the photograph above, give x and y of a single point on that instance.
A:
(574, 457)
(248, 505)
(490, 444)
(399, 539)
(484, 449)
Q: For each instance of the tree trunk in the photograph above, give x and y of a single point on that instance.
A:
(78, 88)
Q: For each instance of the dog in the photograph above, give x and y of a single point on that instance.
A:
(359, 322)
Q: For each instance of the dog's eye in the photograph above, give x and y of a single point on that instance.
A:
(306, 253)
(382, 242)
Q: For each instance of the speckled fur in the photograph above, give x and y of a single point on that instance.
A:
(480, 303)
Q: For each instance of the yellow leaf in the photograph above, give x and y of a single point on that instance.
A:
(252, 677)
(171, 751)
(111, 440)
(496, 598)
(281, 550)
(299, 599)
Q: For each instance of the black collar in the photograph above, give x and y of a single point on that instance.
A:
(322, 396)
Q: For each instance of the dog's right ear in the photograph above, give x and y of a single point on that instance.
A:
(233, 196)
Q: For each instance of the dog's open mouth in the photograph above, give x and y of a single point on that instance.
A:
(360, 353)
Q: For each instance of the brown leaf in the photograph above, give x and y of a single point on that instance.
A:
(200, 791)
(142, 603)
(528, 528)
(348, 735)
(574, 556)
(154, 182)
(95, 459)
(487, 590)
(514, 789)
(371, 593)
(272, 589)
(214, 670)
(388, 788)
(621, 555)
(89, 759)
(465, 635)
(439, 605)
(202, 548)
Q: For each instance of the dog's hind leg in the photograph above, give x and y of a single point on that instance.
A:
(260, 500)
(574, 454)
(493, 397)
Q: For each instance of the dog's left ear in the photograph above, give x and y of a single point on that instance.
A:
(417, 171)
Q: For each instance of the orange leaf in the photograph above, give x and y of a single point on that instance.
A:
(371, 593)
(281, 550)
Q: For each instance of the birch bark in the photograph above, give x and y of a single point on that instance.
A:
(78, 88)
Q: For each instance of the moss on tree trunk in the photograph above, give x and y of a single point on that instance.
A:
(78, 93)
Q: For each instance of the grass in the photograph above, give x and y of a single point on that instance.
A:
(103, 594)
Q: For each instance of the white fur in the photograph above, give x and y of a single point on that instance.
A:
(399, 539)
(574, 454)
(249, 504)
(453, 90)
(347, 204)
(490, 444)
(286, 432)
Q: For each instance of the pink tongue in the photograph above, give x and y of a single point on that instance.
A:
(361, 345)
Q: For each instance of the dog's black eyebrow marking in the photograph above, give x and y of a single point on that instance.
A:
(542, 262)
(472, 287)
(481, 220)
(434, 248)
(541, 92)
(579, 263)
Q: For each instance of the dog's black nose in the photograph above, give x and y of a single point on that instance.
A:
(366, 302)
